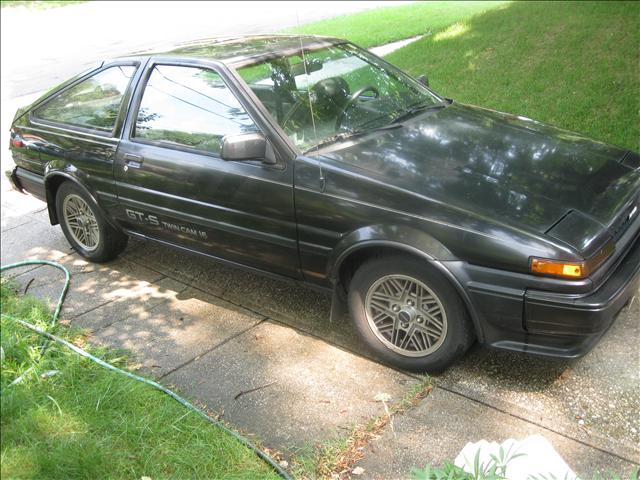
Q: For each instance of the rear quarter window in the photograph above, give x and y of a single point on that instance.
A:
(93, 103)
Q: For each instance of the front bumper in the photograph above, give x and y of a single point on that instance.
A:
(569, 326)
(549, 317)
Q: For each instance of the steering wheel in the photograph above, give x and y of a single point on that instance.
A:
(352, 100)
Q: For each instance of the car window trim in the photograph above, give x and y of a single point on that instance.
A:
(191, 150)
(92, 132)
(215, 67)
(231, 82)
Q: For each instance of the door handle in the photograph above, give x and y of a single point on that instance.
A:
(132, 161)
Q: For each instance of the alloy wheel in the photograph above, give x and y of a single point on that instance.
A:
(406, 315)
(81, 222)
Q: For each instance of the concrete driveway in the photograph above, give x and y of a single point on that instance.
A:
(262, 353)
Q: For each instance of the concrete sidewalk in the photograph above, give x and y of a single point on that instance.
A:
(263, 354)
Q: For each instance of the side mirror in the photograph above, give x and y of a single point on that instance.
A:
(423, 80)
(247, 146)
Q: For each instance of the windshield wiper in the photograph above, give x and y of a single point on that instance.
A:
(421, 107)
(340, 137)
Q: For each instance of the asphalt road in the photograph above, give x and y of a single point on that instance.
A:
(41, 48)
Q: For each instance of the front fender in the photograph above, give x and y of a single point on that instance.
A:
(400, 237)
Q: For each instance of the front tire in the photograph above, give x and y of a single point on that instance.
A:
(408, 314)
(85, 227)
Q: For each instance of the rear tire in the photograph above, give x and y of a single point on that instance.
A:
(408, 314)
(85, 227)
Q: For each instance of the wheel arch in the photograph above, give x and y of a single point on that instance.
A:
(414, 243)
(53, 179)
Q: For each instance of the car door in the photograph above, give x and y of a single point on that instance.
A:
(173, 185)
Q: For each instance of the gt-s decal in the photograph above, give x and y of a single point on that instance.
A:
(142, 218)
(173, 227)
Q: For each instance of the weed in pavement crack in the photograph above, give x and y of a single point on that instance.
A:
(334, 459)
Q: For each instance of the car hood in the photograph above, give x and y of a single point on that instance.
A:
(500, 166)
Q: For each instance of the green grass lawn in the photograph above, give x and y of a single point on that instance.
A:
(574, 65)
(39, 4)
(87, 422)
(387, 24)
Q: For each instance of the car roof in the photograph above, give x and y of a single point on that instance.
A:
(247, 49)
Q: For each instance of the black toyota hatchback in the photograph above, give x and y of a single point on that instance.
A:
(312, 159)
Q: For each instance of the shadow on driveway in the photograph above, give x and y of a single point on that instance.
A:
(219, 333)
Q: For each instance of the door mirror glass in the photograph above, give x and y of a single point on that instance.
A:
(247, 146)
(423, 80)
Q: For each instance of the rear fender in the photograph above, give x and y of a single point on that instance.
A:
(58, 172)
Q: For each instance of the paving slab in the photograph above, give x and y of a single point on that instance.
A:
(292, 304)
(9, 223)
(16, 206)
(41, 214)
(285, 301)
(311, 391)
(92, 285)
(109, 283)
(46, 282)
(134, 304)
(595, 399)
(444, 422)
(277, 298)
(215, 278)
(173, 263)
(177, 330)
(32, 240)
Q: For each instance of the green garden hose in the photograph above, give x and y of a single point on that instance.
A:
(56, 313)
(50, 337)
(63, 293)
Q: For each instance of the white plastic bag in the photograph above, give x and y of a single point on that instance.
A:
(531, 458)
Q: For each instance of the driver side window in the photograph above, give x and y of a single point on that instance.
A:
(189, 107)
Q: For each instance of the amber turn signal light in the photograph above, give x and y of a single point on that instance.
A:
(558, 269)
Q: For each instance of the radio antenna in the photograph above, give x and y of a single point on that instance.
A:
(313, 119)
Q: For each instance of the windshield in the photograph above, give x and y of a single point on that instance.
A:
(336, 90)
